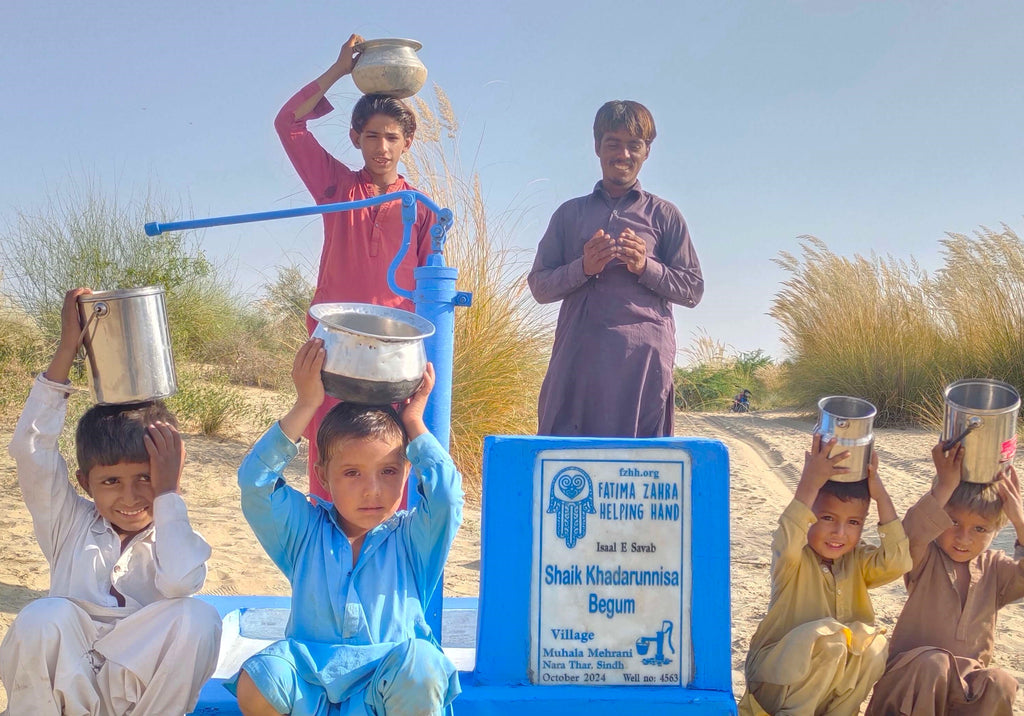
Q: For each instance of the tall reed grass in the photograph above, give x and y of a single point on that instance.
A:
(502, 340)
(979, 304)
(887, 331)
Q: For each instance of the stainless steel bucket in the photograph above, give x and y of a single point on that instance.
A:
(982, 414)
(375, 354)
(128, 345)
(850, 421)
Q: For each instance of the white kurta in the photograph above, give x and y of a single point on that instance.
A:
(77, 651)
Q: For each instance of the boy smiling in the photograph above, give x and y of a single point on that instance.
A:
(817, 650)
(617, 259)
(943, 642)
(118, 632)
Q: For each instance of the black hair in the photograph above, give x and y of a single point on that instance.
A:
(348, 420)
(111, 434)
(626, 115)
(979, 498)
(847, 491)
(372, 104)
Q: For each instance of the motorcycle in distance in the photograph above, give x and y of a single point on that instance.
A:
(741, 402)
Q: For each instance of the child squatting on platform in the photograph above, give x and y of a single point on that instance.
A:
(118, 632)
(944, 638)
(361, 572)
(817, 649)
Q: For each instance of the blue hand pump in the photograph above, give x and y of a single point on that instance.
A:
(434, 295)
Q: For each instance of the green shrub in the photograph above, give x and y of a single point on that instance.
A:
(84, 237)
(206, 402)
(714, 376)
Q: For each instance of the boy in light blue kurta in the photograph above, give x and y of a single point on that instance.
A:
(361, 571)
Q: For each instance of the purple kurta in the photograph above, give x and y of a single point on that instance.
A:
(610, 373)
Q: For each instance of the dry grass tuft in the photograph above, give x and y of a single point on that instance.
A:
(886, 331)
(502, 340)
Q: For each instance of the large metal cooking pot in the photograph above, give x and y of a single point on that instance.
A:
(375, 354)
(128, 345)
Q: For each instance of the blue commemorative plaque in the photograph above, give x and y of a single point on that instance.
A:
(611, 568)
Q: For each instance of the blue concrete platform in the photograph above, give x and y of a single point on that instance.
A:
(251, 623)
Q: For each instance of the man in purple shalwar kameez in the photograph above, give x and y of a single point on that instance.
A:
(617, 259)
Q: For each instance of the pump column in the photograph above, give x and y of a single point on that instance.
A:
(435, 297)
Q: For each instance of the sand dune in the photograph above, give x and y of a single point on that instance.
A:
(766, 455)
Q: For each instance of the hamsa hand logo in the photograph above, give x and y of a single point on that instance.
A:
(572, 499)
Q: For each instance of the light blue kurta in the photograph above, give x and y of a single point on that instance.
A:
(346, 618)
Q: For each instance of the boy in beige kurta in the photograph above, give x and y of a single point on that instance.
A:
(817, 650)
(942, 643)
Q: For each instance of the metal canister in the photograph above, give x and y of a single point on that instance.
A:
(851, 422)
(981, 414)
(128, 345)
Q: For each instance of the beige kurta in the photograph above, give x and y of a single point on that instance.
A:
(940, 651)
(817, 650)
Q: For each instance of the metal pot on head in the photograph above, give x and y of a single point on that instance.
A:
(375, 354)
(127, 345)
(981, 414)
(389, 66)
(850, 421)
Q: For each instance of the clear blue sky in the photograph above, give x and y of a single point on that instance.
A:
(876, 126)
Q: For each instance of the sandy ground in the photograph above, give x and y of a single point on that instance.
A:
(766, 454)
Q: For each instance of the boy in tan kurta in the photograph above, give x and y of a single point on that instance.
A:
(817, 650)
(942, 643)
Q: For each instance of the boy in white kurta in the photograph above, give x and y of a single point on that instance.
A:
(118, 632)
(817, 650)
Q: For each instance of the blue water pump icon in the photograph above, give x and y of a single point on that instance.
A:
(643, 645)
